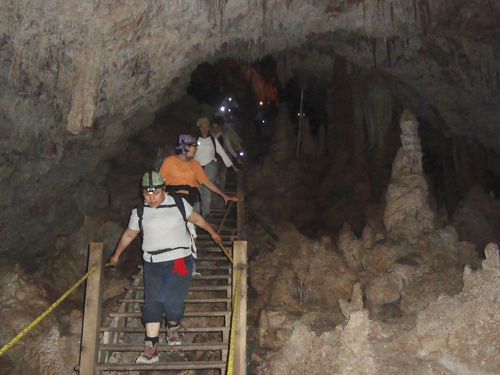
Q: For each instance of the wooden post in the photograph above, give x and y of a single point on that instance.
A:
(240, 336)
(240, 194)
(92, 314)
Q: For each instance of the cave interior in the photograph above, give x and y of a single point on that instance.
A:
(330, 109)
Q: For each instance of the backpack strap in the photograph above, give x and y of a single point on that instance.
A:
(191, 234)
(140, 214)
(180, 205)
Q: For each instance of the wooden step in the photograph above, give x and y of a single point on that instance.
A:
(192, 288)
(163, 329)
(202, 243)
(161, 366)
(212, 259)
(208, 268)
(214, 249)
(138, 314)
(187, 300)
(164, 348)
(207, 277)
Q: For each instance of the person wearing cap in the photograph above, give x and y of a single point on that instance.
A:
(184, 175)
(167, 257)
(208, 148)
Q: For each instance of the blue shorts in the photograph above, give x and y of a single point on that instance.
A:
(164, 291)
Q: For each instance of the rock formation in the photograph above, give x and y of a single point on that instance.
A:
(408, 215)
(462, 332)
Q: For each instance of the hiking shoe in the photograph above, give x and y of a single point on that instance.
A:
(150, 353)
(196, 275)
(173, 337)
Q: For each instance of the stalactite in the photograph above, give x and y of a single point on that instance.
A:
(364, 10)
(221, 12)
(377, 111)
(378, 6)
(392, 13)
(388, 45)
(374, 48)
(415, 9)
(425, 15)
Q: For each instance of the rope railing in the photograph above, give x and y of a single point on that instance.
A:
(48, 311)
(218, 231)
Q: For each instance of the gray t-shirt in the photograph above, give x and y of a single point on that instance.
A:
(164, 228)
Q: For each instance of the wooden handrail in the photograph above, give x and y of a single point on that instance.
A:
(92, 314)
(240, 337)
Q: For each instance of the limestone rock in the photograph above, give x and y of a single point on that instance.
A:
(357, 355)
(352, 249)
(275, 328)
(356, 303)
(408, 215)
(462, 332)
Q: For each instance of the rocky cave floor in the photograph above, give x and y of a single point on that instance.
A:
(376, 302)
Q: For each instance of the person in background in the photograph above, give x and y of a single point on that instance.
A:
(208, 148)
(168, 260)
(220, 134)
(183, 175)
(230, 126)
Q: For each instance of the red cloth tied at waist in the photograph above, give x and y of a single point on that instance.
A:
(180, 267)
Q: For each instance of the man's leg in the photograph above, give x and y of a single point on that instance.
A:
(150, 353)
(206, 194)
(174, 301)
(152, 313)
(153, 329)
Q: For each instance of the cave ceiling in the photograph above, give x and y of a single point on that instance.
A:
(82, 62)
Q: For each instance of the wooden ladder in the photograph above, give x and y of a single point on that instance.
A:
(205, 328)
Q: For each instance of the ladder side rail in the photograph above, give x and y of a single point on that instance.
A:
(240, 194)
(240, 337)
(92, 314)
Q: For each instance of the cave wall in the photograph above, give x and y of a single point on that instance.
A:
(77, 79)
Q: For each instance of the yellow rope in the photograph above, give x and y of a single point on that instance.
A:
(218, 231)
(230, 361)
(224, 218)
(54, 305)
(225, 251)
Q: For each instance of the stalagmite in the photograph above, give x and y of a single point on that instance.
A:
(408, 215)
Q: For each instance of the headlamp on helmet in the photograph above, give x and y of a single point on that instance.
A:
(151, 181)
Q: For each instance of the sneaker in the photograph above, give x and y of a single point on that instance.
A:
(150, 354)
(173, 337)
(196, 275)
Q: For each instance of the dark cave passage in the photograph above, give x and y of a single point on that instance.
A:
(355, 118)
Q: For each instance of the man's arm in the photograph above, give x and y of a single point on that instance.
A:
(127, 237)
(210, 185)
(199, 221)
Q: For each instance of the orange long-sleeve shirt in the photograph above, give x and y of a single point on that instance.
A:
(177, 172)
